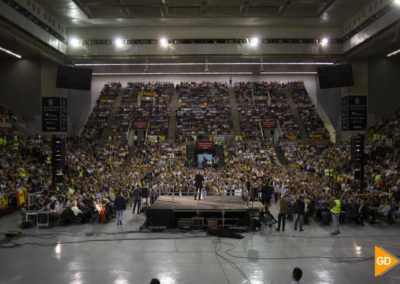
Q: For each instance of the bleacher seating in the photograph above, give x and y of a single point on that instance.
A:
(204, 110)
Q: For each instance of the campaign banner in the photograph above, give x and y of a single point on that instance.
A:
(139, 125)
(204, 145)
(269, 123)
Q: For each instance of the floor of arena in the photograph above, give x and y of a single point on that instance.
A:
(96, 253)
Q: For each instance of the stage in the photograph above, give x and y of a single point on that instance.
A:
(174, 211)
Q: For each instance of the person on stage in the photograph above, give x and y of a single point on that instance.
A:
(198, 183)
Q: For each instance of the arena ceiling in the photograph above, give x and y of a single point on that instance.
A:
(298, 18)
(203, 12)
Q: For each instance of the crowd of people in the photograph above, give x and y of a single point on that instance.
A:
(146, 105)
(260, 101)
(97, 120)
(204, 110)
(94, 174)
(313, 124)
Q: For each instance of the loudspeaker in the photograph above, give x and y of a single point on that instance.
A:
(161, 217)
(57, 159)
(335, 76)
(357, 148)
(74, 78)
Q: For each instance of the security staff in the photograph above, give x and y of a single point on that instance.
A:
(335, 212)
(48, 161)
(15, 144)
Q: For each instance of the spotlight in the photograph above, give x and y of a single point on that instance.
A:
(163, 42)
(254, 41)
(119, 42)
(324, 41)
(74, 42)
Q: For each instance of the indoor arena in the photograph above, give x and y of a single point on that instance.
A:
(200, 141)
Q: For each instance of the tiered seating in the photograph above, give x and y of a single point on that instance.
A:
(203, 110)
(159, 117)
(97, 120)
(259, 101)
(312, 122)
(145, 103)
(279, 109)
(127, 109)
(249, 125)
(388, 130)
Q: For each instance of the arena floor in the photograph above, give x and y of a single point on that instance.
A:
(109, 254)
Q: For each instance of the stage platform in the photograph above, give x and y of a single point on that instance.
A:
(171, 211)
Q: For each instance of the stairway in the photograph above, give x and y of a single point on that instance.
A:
(111, 118)
(172, 116)
(234, 110)
(280, 154)
(296, 115)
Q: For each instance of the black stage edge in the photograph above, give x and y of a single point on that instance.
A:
(183, 212)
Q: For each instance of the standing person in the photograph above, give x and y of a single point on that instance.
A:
(296, 275)
(137, 200)
(282, 208)
(298, 209)
(335, 212)
(198, 183)
(267, 191)
(119, 206)
(276, 192)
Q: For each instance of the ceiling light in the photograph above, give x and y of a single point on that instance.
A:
(74, 42)
(397, 2)
(324, 41)
(394, 52)
(254, 41)
(119, 42)
(163, 42)
(11, 53)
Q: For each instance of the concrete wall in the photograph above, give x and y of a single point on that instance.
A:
(24, 82)
(383, 86)
(20, 87)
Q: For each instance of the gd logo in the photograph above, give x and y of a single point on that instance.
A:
(384, 261)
